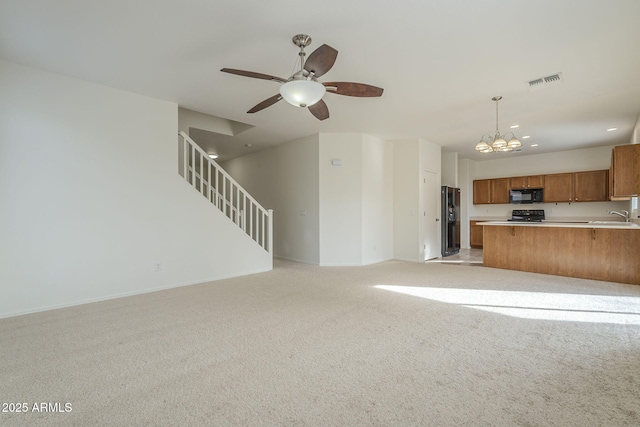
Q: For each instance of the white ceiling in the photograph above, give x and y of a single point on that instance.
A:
(439, 61)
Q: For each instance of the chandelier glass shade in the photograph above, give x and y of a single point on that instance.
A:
(302, 92)
(498, 142)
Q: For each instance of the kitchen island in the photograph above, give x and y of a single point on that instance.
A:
(600, 250)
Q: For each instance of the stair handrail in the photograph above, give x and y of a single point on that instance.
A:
(240, 215)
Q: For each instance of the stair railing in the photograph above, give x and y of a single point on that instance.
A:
(214, 183)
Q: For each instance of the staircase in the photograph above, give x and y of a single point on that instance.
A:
(217, 186)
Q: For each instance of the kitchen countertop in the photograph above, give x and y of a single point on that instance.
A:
(551, 223)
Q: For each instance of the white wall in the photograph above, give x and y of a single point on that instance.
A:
(406, 200)
(466, 170)
(356, 199)
(325, 214)
(633, 205)
(411, 157)
(340, 199)
(538, 164)
(92, 201)
(430, 159)
(377, 200)
(450, 169)
(285, 178)
(635, 135)
(189, 118)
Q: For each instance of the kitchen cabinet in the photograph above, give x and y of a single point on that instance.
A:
(500, 190)
(475, 234)
(558, 188)
(533, 181)
(625, 171)
(491, 191)
(590, 253)
(588, 186)
(481, 191)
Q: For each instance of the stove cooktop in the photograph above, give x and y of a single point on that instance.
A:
(532, 215)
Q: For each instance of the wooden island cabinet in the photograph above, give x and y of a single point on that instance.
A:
(583, 251)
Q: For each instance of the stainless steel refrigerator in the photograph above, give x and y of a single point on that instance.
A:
(450, 220)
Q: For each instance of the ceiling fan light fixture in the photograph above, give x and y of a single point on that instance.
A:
(302, 93)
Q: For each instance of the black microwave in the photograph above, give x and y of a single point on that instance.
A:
(529, 195)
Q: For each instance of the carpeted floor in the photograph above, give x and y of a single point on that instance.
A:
(391, 344)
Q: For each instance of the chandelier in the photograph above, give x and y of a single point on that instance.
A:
(498, 142)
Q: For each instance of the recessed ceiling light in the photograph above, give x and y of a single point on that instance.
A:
(515, 126)
(534, 145)
(213, 156)
(611, 129)
(526, 137)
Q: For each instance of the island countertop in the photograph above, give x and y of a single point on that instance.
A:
(594, 224)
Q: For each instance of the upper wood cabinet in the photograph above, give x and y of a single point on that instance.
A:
(534, 181)
(558, 187)
(481, 191)
(591, 186)
(500, 190)
(490, 191)
(625, 171)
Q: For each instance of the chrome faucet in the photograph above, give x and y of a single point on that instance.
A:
(624, 214)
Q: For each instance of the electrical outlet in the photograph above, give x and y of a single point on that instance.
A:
(158, 267)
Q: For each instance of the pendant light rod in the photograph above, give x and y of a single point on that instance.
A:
(496, 99)
(302, 41)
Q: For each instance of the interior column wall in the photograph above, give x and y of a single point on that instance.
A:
(406, 203)
(377, 200)
(341, 199)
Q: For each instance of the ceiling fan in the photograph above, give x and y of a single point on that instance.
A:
(303, 89)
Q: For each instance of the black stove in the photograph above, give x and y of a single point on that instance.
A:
(527, 215)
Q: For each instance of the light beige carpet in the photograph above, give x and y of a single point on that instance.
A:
(392, 344)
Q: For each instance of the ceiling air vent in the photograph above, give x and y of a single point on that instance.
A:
(547, 81)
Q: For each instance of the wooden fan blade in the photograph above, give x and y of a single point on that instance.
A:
(253, 74)
(266, 103)
(353, 89)
(320, 110)
(321, 60)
